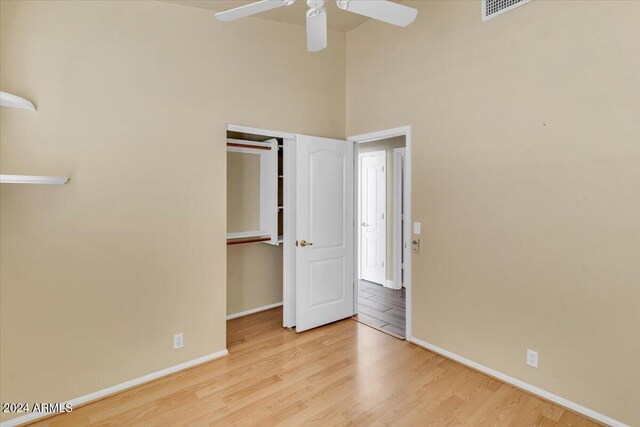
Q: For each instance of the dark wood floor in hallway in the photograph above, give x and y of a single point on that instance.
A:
(382, 308)
(341, 374)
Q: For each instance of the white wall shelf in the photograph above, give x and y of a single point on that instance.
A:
(13, 101)
(246, 234)
(31, 179)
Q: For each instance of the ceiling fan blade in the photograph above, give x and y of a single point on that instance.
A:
(251, 9)
(382, 10)
(316, 29)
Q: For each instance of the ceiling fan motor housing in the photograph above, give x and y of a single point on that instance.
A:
(315, 4)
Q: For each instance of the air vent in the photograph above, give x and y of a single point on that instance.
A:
(491, 8)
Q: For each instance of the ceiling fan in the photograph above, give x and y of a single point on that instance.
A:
(382, 10)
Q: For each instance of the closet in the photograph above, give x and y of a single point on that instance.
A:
(296, 191)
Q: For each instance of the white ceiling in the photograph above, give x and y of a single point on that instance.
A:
(295, 14)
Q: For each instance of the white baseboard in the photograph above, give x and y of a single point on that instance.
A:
(522, 385)
(117, 388)
(254, 310)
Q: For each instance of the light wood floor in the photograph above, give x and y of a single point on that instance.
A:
(382, 308)
(343, 373)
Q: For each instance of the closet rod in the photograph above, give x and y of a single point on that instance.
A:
(253, 147)
(232, 242)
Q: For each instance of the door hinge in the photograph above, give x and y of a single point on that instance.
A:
(383, 216)
(382, 264)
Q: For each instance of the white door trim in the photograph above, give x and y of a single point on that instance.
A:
(376, 136)
(398, 154)
(383, 153)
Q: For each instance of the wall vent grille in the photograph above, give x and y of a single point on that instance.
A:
(491, 8)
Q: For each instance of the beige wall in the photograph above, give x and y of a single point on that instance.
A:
(254, 276)
(133, 97)
(526, 154)
(243, 192)
(387, 145)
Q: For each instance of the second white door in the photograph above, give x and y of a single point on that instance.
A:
(373, 216)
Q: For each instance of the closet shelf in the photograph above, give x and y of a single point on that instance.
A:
(246, 234)
(31, 179)
(246, 144)
(13, 101)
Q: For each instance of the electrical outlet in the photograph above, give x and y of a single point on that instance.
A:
(532, 358)
(178, 341)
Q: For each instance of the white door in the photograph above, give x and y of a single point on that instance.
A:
(324, 231)
(373, 217)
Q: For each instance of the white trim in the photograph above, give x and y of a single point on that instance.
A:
(289, 224)
(386, 134)
(389, 284)
(32, 179)
(87, 398)
(398, 177)
(254, 310)
(521, 384)
(257, 131)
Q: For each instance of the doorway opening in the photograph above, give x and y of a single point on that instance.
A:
(382, 238)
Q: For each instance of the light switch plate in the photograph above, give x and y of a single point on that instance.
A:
(416, 228)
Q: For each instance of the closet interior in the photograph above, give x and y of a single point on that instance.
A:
(259, 189)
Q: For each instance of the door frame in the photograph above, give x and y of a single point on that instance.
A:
(376, 136)
(359, 212)
(399, 223)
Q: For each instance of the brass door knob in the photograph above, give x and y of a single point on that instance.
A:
(304, 243)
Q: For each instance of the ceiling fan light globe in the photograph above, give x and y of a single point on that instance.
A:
(315, 12)
(342, 4)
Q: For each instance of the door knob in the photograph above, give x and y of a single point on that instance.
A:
(364, 224)
(304, 243)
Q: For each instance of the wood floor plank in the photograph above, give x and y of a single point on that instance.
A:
(341, 374)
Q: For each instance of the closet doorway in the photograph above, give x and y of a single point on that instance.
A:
(383, 233)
